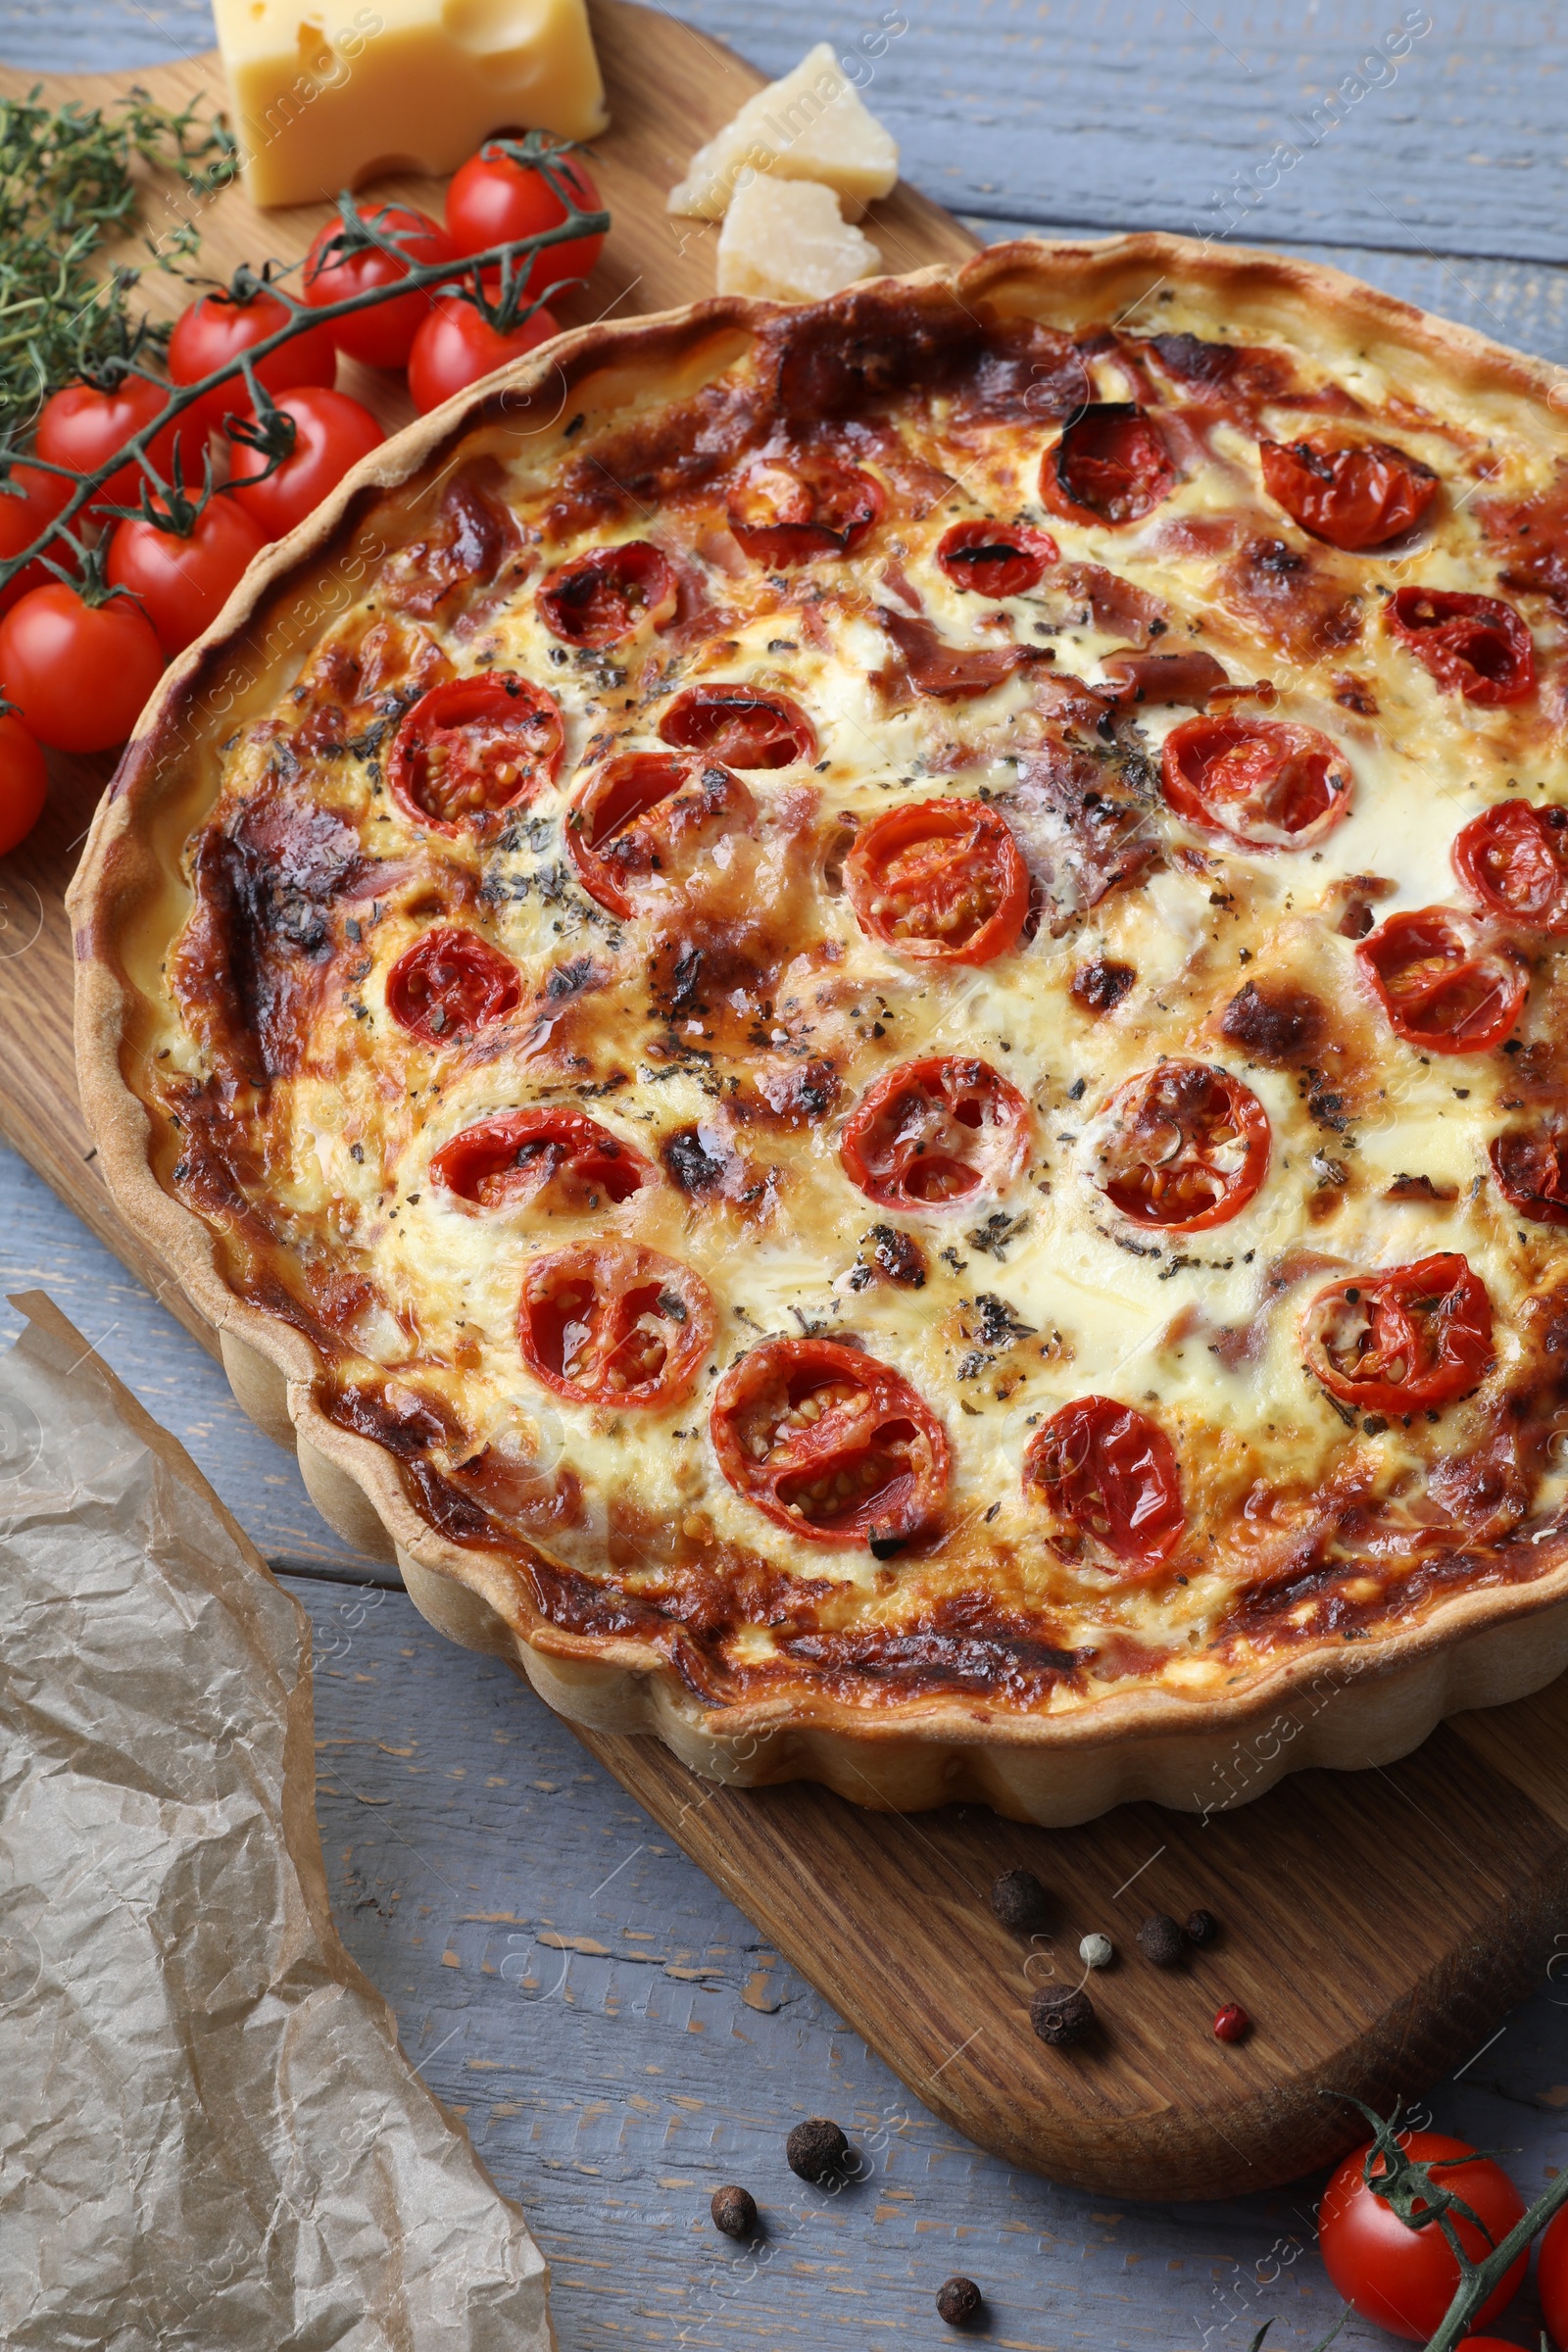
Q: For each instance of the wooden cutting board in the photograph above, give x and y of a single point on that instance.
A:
(1376, 1925)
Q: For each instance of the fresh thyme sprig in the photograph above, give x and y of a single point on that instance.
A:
(67, 184)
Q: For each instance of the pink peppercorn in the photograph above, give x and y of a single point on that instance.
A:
(1232, 2023)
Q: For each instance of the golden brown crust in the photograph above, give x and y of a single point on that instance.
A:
(1141, 1741)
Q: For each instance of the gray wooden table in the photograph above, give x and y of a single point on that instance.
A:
(620, 2038)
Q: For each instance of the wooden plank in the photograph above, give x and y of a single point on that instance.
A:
(888, 1916)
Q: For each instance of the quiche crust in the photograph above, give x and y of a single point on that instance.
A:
(1343, 1578)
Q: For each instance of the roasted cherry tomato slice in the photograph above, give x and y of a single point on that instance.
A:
(1355, 498)
(935, 1134)
(1110, 466)
(996, 559)
(940, 882)
(1402, 2278)
(1419, 1334)
(1108, 1477)
(1267, 783)
(609, 1322)
(448, 984)
(1443, 988)
(1513, 861)
(1476, 646)
(606, 595)
(739, 726)
(790, 510)
(648, 822)
(472, 747)
(521, 1155)
(830, 1444)
(1181, 1147)
(1531, 1166)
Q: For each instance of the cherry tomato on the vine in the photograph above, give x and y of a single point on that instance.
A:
(1400, 1341)
(457, 345)
(24, 782)
(339, 266)
(217, 328)
(83, 427)
(1552, 2279)
(30, 501)
(78, 672)
(495, 198)
(332, 433)
(830, 1442)
(1106, 1475)
(182, 581)
(1401, 2279)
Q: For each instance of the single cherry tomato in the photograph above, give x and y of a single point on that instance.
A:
(935, 1134)
(1267, 783)
(646, 826)
(1401, 2279)
(1530, 1166)
(938, 882)
(331, 434)
(1551, 2282)
(1394, 1342)
(1514, 859)
(79, 673)
(559, 1158)
(474, 746)
(218, 328)
(830, 1442)
(344, 261)
(606, 595)
(1442, 987)
(82, 427)
(497, 197)
(1181, 1147)
(182, 582)
(448, 984)
(30, 501)
(608, 1322)
(1110, 466)
(996, 559)
(1476, 646)
(786, 510)
(23, 783)
(1356, 497)
(1108, 1478)
(457, 346)
(739, 725)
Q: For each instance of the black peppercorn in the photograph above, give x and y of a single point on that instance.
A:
(959, 2301)
(816, 2150)
(1061, 2018)
(734, 2211)
(1160, 1939)
(1020, 1901)
(1202, 1927)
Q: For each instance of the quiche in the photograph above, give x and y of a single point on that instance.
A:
(858, 1012)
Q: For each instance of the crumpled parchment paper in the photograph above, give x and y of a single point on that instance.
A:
(208, 2134)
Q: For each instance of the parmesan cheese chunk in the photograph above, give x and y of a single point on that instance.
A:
(787, 241)
(330, 95)
(810, 126)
